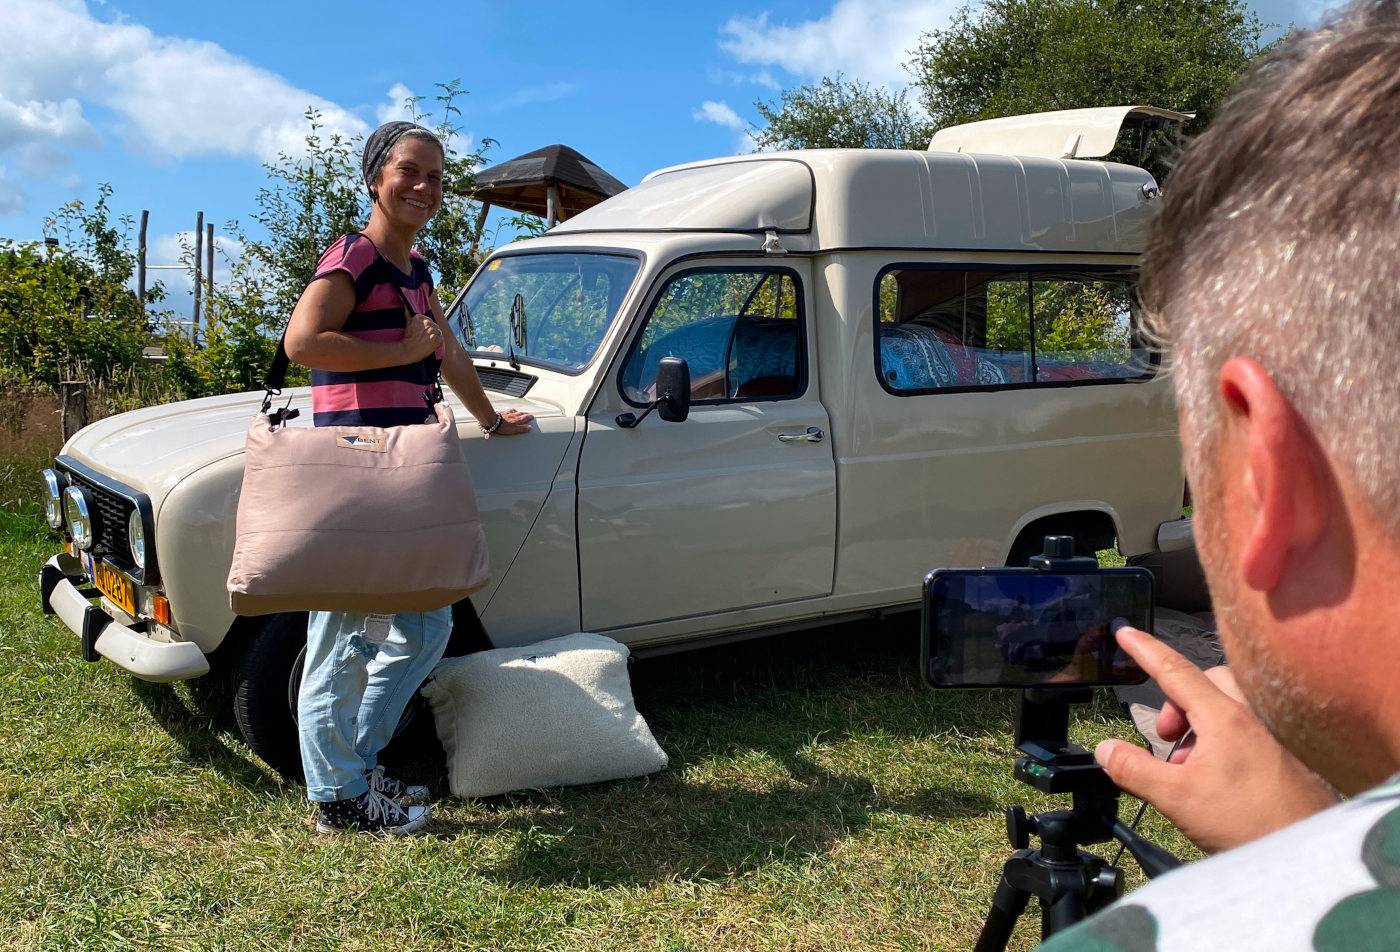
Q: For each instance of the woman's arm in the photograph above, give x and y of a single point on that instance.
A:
(460, 374)
(314, 338)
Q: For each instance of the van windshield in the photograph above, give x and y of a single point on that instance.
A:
(550, 308)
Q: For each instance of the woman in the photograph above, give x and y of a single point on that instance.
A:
(371, 360)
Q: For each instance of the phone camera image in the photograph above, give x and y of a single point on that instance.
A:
(1019, 628)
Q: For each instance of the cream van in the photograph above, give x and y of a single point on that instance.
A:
(895, 360)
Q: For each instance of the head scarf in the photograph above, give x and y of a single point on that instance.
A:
(381, 142)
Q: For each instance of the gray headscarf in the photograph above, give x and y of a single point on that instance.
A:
(381, 142)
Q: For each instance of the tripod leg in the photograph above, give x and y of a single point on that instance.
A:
(1062, 913)
(1007, 905)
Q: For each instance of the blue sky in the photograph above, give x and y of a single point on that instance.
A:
(177, 104)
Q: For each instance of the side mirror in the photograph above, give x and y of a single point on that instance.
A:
(673, 389)
(672, 394)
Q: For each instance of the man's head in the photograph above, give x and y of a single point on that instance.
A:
(1274, 275)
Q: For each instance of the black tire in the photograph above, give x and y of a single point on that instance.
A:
(263, 691)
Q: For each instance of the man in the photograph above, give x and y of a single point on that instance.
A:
(1274, 275)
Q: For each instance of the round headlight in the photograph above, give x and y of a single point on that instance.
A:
(53, 499)
(78, 510)
(136, 532)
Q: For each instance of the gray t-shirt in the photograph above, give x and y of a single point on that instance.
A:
(1330, 883)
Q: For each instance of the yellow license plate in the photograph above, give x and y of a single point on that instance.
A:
(116, 587)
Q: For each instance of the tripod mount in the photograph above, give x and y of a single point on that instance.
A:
(1069, 882)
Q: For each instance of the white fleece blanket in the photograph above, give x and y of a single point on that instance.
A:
(551, 714)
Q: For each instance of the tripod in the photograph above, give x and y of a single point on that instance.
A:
(1069, 882)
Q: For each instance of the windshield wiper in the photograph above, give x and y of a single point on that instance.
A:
(518, 336)
(465, 325)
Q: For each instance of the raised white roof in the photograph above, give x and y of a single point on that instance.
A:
(1062, 134)
(825, 199)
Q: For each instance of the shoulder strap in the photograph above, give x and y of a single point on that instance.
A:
(277, 371)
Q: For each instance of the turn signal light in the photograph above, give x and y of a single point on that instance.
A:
(160, 608)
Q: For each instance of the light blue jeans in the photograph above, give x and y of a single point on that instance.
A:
(360, 673)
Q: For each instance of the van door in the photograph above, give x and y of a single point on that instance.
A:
(736, 506)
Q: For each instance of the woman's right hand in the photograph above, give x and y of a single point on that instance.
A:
(421, 337)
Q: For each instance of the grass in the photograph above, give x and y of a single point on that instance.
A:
(818, 797)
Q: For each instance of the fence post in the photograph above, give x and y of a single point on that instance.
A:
(74, 396)
(141, 259)
(209, 260)
(194, 272)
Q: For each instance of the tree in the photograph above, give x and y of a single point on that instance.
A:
(837, 113)
(1009, 57)
(66, 310)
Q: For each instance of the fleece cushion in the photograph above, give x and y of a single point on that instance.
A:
(551, 714)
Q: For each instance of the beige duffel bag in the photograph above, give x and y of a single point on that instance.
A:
(363, 519)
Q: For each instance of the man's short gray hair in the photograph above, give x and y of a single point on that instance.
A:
(1279, 240)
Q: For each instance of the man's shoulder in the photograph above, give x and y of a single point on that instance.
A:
(1325, 883)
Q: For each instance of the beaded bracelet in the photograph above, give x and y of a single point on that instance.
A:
(486, 431)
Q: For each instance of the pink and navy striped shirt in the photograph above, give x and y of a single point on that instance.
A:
(389, 396)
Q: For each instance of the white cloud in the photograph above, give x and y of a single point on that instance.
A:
(11, 198)
(866, 39)
(529, 95)
(719, 113)
(175, 97)
(396, 107)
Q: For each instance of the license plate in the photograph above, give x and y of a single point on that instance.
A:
(116, 587)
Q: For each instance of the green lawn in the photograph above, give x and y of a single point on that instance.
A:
(819, 797)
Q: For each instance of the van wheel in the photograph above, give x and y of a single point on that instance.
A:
(265, 682)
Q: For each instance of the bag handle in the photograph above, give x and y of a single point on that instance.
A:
(277, 371)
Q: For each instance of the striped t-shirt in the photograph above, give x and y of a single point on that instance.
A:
(389, 396)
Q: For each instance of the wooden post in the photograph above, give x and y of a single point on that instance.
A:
(480, 228)
(73, 395)
(552, 205)
(209, 253)
(198, 257)
(141, 259)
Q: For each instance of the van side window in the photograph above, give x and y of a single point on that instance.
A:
(740, 330)
(1084, 327)
(955, 329)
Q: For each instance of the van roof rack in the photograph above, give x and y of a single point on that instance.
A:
(1063, 134)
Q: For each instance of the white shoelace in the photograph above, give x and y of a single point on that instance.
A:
(379, 807)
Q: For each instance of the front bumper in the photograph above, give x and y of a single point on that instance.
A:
(103, 636)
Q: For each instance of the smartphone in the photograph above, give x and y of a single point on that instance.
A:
(1023, 628)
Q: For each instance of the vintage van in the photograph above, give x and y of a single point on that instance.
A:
(897, 360)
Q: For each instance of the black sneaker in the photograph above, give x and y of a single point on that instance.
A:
(370, 812)
(406, 794)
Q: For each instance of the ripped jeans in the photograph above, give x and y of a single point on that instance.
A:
(361, 670)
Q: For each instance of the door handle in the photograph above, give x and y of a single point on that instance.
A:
(813, 435)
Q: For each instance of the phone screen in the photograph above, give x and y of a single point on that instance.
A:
(1026, 628)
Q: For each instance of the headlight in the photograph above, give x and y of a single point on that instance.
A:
(78, 510)
(53, 499)
(136, 532)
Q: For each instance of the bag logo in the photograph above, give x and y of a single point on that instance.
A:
(367, 443)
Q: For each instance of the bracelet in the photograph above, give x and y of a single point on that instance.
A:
(486, 431)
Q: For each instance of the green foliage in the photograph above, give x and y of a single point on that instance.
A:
(1008, 57)
(66, 310)
(837, 113)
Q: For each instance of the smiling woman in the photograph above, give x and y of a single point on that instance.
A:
(369, 327)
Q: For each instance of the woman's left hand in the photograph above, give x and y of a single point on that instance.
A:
(514, 422)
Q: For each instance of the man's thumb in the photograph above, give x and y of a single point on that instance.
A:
(1133, 769)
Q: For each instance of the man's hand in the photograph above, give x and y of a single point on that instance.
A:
(421, 337)
(1231, 782)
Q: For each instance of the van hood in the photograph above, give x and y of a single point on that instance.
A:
(152, 449)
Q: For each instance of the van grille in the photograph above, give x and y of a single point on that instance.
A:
(110, 540)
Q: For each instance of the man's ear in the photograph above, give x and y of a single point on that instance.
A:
(1280, 471)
